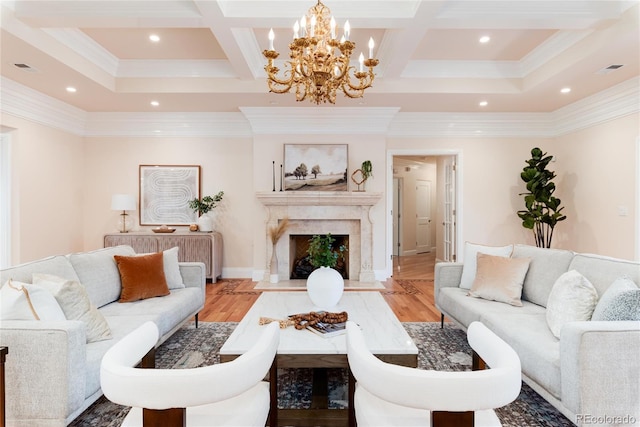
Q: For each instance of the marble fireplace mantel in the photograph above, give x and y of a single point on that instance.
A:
(319, 212)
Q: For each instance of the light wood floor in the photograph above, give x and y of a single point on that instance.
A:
(409, 293)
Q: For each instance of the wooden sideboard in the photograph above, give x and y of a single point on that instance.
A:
(193, 246)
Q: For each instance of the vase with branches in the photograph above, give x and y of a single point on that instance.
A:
(275, 233)
(542, 209)
(202, 207)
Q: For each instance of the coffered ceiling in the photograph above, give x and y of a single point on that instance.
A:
(209, 56)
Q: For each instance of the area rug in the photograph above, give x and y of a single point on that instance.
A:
(440, 349)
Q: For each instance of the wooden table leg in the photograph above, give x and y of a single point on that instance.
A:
(3, 416)
(273, 387)
(351, 415)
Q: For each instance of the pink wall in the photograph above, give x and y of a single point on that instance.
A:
(48, 174)
(63, 186)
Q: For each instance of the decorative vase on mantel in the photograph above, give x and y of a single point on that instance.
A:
(325, 287)
(273, 267)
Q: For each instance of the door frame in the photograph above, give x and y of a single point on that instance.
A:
(389, 202)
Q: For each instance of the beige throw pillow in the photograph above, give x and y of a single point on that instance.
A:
(75, 304)
(573, 298)
(471, 252)
(499, 278)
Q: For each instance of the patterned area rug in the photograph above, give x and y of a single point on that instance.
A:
(440, 349)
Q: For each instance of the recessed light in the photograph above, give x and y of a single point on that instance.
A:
(154, 38)
(483, 103)
(484, 39)
(155, 103)
(565, 90)
(71, 89)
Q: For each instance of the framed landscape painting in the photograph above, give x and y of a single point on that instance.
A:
(165, 192)
(315, 167)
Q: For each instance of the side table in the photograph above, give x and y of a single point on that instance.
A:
(193, 246)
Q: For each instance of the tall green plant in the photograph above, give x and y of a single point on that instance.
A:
(543, 210)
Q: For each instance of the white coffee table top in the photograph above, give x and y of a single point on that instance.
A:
(382, 330)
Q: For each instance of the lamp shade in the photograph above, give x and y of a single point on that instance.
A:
(123, 202)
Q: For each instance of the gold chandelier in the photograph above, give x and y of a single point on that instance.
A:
(319, 63)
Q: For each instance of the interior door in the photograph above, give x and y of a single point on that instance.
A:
(396, 214)
(423, 216)
(449, 222)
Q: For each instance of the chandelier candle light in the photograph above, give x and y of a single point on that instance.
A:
(319, 63)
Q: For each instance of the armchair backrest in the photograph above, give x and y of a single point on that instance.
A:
(125, 384)
(437, 390)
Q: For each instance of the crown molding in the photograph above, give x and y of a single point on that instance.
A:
(225, 125)
(338, 120)
(26, 103)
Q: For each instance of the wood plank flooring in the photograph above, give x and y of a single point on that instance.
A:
(409, 293)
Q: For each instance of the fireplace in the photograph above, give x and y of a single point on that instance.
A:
(299, 265)
(311, 212)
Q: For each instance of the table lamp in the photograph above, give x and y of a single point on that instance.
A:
(124, 203)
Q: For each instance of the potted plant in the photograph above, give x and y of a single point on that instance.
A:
(542, 210)
(202, 207)
(325, 285)
(367, 169)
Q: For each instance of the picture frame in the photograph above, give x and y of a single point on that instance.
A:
(165, 192)
(316, 167)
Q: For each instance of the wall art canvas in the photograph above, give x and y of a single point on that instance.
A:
(315, 167)
(165, 192)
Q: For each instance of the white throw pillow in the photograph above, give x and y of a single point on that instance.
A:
(75, 304)
(471, 251)
(572, 299)
(171, 268)
(619, 286)
(24, 301)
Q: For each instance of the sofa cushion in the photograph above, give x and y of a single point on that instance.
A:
(464, 309)
(528, 334)
(608, 302)
(98, 273)
(142, 277)
(75, 304)
(544, 269)
(24, 301)
(499, 278)
(572, 299)
(58, 265)
(471, 251)
(603, 271)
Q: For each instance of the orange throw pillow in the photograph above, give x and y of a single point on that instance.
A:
(142, 277)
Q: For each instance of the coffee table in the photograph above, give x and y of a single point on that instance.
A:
(383, 332)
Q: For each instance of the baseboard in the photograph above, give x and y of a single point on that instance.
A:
(237, 273)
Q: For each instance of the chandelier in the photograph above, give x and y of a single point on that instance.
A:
(319, 64)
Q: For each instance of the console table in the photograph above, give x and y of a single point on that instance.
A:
(193, 246)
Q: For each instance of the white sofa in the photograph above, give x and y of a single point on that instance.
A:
(592, 373)
(52, 374)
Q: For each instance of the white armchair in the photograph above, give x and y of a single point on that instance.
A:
(226, 394)
(392, 395)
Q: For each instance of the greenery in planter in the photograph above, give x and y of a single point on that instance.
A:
(322, 252)
(543, 210)
(206, 204)
(367, 169)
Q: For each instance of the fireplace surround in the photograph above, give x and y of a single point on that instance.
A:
(314, 212)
